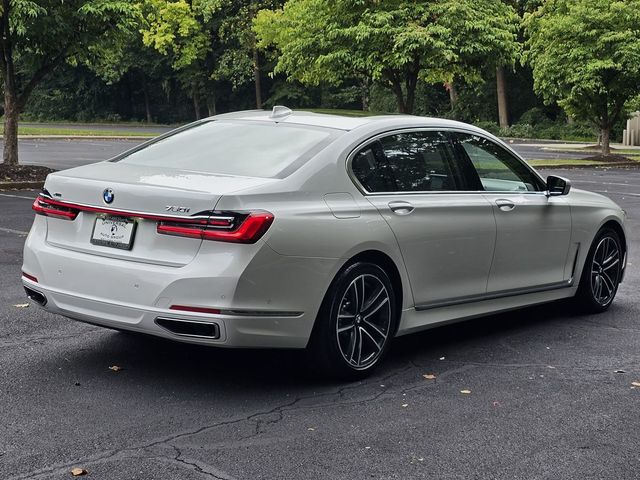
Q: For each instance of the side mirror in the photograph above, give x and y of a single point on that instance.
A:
(557, 186)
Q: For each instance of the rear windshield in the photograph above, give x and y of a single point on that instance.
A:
(251, 149)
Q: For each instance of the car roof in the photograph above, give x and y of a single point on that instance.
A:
(341, 122)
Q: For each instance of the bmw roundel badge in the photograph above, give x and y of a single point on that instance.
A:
(108, 195)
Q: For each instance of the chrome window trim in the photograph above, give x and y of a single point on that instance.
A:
(500, 143)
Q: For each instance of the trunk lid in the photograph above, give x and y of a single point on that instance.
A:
(142, 190)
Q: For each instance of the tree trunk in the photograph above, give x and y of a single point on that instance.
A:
(501, 86)
(11, 115)
(211, 106)
(365, 93)
(453, 94)
(147, 106)
(396, 87)
(256, 78)
(196, 104)
(605, 138)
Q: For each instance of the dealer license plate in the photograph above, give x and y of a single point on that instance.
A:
(116, 232)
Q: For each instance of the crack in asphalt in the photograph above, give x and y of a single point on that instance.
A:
(279, 410)
(196, 465)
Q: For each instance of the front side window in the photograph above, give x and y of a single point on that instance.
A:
(498, 169)
(252, 149)
(408, 162)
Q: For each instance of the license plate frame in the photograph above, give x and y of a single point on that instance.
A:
(104, 235)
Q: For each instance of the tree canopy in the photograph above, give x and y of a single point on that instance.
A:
(585, 54)
(393, 43)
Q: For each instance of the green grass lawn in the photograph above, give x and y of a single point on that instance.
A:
(72, 132)
(573, 162)
(594, 151)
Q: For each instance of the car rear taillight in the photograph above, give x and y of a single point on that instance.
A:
(226, 227)
(43, 206)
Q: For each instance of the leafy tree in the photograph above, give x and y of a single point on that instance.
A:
(395, 43)
(585, 54)
(38, 36)
(209, 40)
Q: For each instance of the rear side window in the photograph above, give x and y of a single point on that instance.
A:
(253, 149)
(408, 162)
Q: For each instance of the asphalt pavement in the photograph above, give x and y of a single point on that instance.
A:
(545, 402)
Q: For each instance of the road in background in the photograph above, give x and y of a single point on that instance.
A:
(64, 153)
(547, 397)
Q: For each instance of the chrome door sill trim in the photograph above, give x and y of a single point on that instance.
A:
(492, 296)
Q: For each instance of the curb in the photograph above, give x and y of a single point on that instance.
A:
(20, 185)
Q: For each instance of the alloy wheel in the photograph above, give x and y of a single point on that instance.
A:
(364, 321)
(605, 270)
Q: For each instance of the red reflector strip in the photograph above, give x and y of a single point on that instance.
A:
(52, 209)
(185, 308)
(29, 277)
(249, 231)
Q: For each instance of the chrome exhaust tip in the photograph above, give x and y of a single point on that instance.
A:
(36, 296)
(190, 328)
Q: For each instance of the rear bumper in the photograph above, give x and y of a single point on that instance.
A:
(266, 300)
(263, 330)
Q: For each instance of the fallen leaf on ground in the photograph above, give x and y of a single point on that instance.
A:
(115, 368)
(77, 472)
(429, 376)
(466, 392)
(21, 305)
(635, 384)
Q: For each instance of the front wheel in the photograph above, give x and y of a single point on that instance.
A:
(601, 273)
(355, 324)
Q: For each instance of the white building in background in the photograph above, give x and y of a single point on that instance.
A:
(631, 135)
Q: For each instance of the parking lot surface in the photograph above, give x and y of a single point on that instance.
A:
(545, 402)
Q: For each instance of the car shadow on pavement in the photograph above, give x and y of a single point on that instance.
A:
(197, 368)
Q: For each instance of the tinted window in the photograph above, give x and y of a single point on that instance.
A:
(407, 162)
(420, 161)
(234, 148)
(497, 168)
(372, 171)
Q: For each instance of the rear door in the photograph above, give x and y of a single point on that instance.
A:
(446, 235)
(533, 230)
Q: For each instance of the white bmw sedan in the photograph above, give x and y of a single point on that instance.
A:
(298, 230)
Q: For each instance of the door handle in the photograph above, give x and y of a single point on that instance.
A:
(505, 205)
(401, 208)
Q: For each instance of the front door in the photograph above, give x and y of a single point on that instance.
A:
(533, 230)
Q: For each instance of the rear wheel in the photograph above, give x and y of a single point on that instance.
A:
(601, 273)
(356, 322)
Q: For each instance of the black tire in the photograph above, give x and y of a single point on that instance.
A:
(343, 319)
(590, 297)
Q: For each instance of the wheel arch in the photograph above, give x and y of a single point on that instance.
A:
(617, 227)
